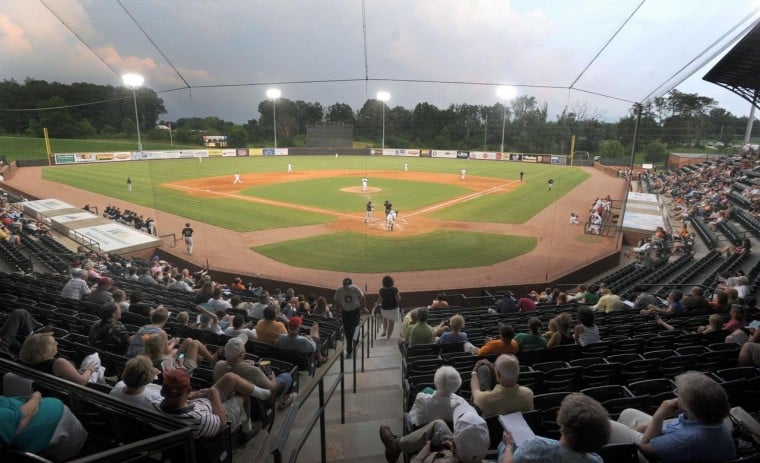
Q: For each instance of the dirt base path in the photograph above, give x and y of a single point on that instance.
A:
(561, 247)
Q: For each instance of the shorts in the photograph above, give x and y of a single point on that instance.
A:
(391, 314)
(68, 438)
(235, 411)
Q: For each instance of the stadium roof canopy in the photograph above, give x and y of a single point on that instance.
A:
(739, 70)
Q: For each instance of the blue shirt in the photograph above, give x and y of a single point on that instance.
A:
(37, 434)
(543, 450)
(449, 337)
(684, 440)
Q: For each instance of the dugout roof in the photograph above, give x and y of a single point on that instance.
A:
(739, 70)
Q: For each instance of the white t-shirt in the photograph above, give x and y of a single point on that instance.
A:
(151, 393)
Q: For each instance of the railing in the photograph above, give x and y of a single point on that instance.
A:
(317, 382)
(88, 243)
(173, 240)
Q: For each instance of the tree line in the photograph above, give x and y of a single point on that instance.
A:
(676, 119)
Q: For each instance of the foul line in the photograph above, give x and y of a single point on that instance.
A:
(461, 199)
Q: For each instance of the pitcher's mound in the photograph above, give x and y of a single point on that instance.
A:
(358, 189)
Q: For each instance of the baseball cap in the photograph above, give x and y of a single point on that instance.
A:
(347, 282)
(470, 434)
(294, 323)
(176, 383)
(235, 346)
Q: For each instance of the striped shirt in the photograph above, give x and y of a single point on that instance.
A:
(198, 414)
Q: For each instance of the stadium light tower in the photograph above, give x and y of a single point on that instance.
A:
(133, 81)
(506, 93)
(383, 97)
(274, 93)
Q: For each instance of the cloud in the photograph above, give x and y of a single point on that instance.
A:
(12, 37)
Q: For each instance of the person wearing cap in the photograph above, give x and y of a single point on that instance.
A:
(584, 429)
(187, 234)
(467, 443)
(266, 386)
(495, 390)
(350, 304)
(439, 404)
(504, 344)
(102, 292)
(109, 333)
(268, 330)
(207, 410)
(294, 341)
(76, 287)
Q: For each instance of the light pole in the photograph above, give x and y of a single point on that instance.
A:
(274, 93)
(133, 81)
(506, 93)
(383, 97)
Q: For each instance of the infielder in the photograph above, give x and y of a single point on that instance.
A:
(389, 220)
(290, 167)
(364, 184)
(462, 174)
(368, 217)
(237, 179)
(406, 167)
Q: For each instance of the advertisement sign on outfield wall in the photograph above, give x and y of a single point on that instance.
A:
(240, 152)
(267, 151)
(281, 152)
(444, 154)
(463, 154)
(487, 155)
(425, 153)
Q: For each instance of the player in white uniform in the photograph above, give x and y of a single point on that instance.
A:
(364, 184)
(406, 167)
(290, 167)
(237, 179)
(462, 174)
(389, 220)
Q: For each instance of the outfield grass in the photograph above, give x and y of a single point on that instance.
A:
(431, 251)
(348, 251)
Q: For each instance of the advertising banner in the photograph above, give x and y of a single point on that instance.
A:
(229, 152)
(65, 159)
(487, 155)
(558, 160)
(413, 153)
(463, 154)
(212, 153)
(240, 152)
(193, 154)
(122, 156)
(376, 152)
(444, 154)
(281, 152)
(425, 153)
(255, 151)
(267, 151)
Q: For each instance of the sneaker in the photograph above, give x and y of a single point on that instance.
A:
(391, 442)
(287, 400)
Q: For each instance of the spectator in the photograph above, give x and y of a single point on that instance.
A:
(468, 442)
(644, 299)
(527, 304)
(76, 287)
(533, 339)
(237, 284)
(239, 327)
(440, 403)
(349, 304)
(120, 297)
(420, 332)
(720, 302)
(695, 303)
(217, 302)
(389, 299)
(609, 302)
(109, 333)
(207, 410)
(268, 330)
(137, 303)
(161, 352)
(102, 292)
(44, 426)
(266, 386)
(146, 278)
(508, 304)
(19, 323)
(136, 385)
(714, 323)
(322, 309)
(584, 429)
(562, 334)
(439, 302)
(158, 318)
(409, 320)
(592, 295)
(698, 432)
(293, 341)
(674, 308)
(736, 320)
(39, 352)
(257, 309)
(504, 344)
(586, 332)
(456, 323)
(495, 390)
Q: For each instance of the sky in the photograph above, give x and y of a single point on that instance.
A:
(546, 48)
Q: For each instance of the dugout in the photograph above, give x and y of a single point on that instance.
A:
(329, 135)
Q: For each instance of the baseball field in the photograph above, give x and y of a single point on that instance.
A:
(310, 224)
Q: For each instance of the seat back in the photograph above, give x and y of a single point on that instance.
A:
(16, 386)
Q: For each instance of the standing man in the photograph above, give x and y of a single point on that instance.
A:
(390, 219)
(406, 167)
(349, 303)
(237, 179)
(368, 218)
(462, 174)
(521, 176)
(129, 184)
(551, 184)
(187, 233)
(290, 167)
(364, 184)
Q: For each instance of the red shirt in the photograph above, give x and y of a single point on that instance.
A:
(526, 304)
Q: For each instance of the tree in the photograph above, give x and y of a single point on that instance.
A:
(341, 112)
(611, 149)
(655, 152)
(237, 137)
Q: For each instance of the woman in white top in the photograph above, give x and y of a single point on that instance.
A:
(586, 332)
(136, 385)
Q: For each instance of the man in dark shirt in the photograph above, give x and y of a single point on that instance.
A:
(507, 304)
(695, 303)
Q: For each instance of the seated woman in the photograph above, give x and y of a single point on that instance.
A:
(39, 352)
(533, 339)
(136, 385)
(714, 323)
(731, 248)
(697, 432)
(456, 323)
(563, 334)
(586, 332)
(438, 404)
(44, 426)
(161, 352)
(584, 429)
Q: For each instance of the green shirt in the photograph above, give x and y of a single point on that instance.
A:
(529, 341)
(420, 333)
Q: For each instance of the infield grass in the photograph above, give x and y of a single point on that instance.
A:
(355, 252)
